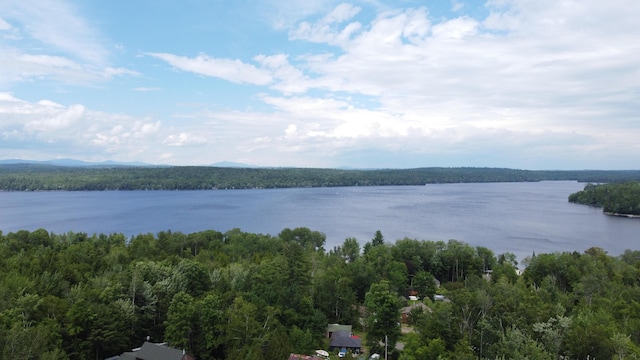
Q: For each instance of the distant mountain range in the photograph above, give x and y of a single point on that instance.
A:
(81, 163)
(73, 162)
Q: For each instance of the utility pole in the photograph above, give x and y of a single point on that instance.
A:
(385, 347)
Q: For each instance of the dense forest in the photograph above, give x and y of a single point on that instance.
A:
(238, 295)
(617, 198)
(37, 177)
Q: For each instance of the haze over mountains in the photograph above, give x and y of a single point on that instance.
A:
(81, 163)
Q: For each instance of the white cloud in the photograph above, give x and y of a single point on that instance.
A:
(456, 5)
(459, 71)
(231, 70)
(59, 119)
(325, 29)
(49, 61)
(456, 28)
(284, 15)
(73, 131)
(533, 79)
(111, 72)
(51, 39)
(7, 97)
(184, 139)
(19, 66)
(288, 78)
(57, 24)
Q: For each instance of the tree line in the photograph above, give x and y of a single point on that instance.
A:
(616, 198)
(238, 295)
(38, 177)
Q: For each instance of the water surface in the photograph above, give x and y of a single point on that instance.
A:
(521, 218)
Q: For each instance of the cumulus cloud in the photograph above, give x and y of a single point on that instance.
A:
(288, 79)
(459, 70)
(59, 119)
(456, 28)
(49, 127)
(529, 78)
(231, 70)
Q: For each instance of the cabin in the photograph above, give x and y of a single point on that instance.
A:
(345, 340)
(405, 311)
(151, 351)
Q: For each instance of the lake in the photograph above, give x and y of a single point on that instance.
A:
(521, 218)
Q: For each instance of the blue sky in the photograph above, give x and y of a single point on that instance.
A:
(530, 84)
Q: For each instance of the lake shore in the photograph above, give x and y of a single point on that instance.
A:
(632, 216)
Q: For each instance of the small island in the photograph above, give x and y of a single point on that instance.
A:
(616, 199)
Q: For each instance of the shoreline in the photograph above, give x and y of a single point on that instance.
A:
(631, 216)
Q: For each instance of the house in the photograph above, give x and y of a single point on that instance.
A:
(405, 311)
(151, 351)
(345, 340)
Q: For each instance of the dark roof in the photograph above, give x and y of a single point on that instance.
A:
(127, 356)
(343, 339)
(340, 333)
(151, 351)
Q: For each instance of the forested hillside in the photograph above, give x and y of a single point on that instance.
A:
(32, 177)
(238, 295)
(620, 198)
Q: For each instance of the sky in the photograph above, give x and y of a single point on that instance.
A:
(526, 84)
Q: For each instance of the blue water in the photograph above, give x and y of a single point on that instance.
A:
(521, 218)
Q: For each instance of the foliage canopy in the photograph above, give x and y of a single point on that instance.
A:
(238, 295)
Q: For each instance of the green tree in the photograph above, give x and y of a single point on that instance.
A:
(191, 277)
(210, 322)
(308, 239)
(415, 349)
(335, 295)
(590, 334)
(378, 239)
(95, 330)
(383, 315)
(552, 333)
(182, 317)
(515, 344)
(425, 284)
(350, 249)
(247, 334)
